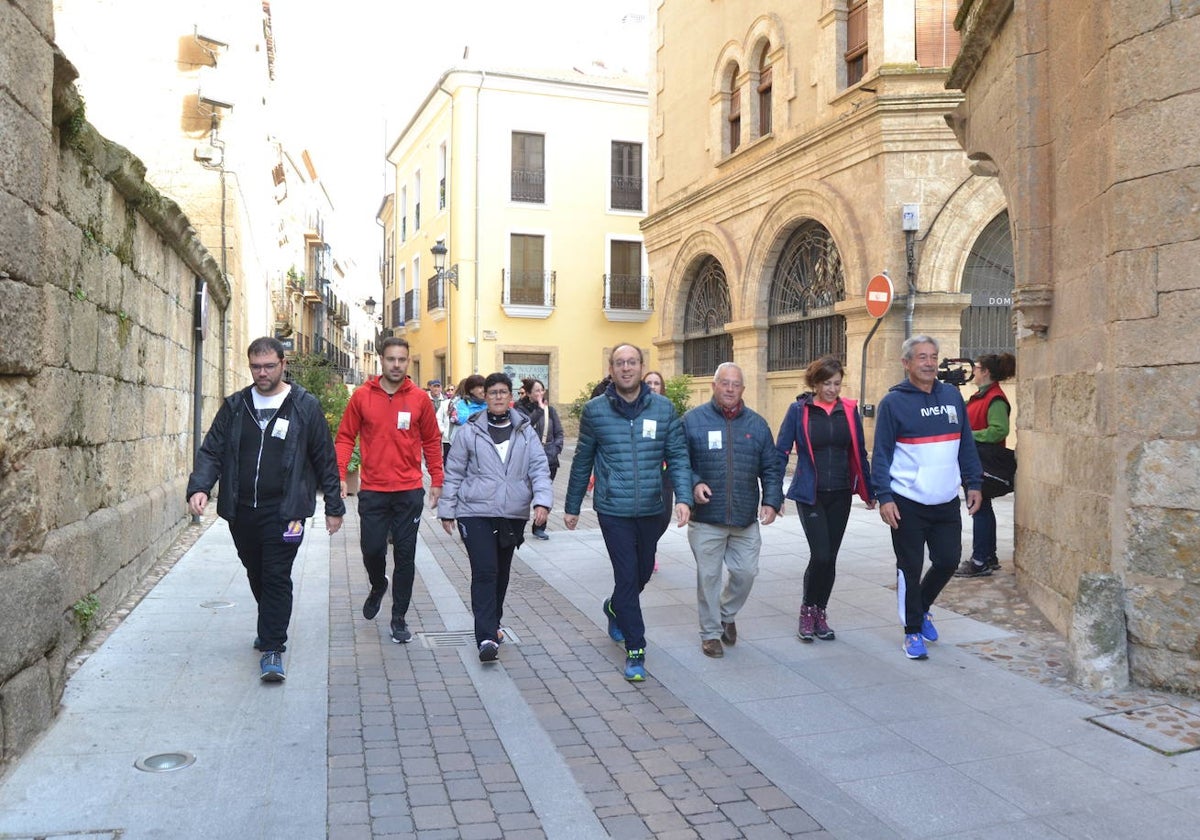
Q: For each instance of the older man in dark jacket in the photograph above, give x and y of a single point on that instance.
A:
(738, 483)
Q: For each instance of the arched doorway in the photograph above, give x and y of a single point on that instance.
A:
(986, 325)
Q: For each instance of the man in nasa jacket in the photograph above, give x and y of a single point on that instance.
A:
(924, 451)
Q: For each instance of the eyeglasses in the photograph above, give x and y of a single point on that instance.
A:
(495, 392)
(264, 368)
(626, 363)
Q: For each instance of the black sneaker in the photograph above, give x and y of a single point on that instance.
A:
(970, 568)
(371, 605)
(400, 633)
(994, 563)
(488, 651)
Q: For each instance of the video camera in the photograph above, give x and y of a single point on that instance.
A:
(956, 372)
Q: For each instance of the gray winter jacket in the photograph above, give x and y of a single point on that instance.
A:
(478, 483)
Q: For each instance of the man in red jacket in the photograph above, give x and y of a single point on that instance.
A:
(394, 422)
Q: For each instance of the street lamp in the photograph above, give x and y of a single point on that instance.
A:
(439, 252)
(439, 263)
(368, 305)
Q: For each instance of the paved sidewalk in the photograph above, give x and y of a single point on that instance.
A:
(367, 738)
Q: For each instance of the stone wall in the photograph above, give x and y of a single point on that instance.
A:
(1090, 129)
(97, 279)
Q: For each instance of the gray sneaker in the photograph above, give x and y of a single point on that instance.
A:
(400, 633)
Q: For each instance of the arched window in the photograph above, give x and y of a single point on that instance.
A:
(764, 93)
(705, 342)
(988, 278)
(808, 281)
(734, 117)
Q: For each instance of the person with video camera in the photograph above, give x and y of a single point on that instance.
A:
(987, 413)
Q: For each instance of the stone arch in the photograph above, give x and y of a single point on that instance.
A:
(708, 240)
(731, 54)
(954, 230)
(813, 200)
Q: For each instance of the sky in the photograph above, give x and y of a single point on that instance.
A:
(351, 74)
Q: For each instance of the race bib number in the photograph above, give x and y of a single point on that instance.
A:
(281, 429)
(714, 439)
(649, 429)
(403, 419)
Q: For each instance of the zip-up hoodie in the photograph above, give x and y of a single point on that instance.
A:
(924, 449)
(393, 430)
(478, 483)
(308, 460)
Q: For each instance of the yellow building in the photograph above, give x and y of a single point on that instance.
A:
(796, 152)
(534, 186)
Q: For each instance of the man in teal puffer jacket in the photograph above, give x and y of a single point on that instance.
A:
(625, 435)
(738, 483)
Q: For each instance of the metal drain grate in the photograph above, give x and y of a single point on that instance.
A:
(1163, 728)
(442, 639)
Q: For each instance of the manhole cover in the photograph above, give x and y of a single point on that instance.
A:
(1163, 728)
(216, 605)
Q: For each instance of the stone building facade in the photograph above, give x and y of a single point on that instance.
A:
(1087, 112)
(796, 152)
(98, 280)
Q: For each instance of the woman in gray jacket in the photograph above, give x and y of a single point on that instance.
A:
(496, 469)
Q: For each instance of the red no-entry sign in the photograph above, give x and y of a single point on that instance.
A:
(879, 295)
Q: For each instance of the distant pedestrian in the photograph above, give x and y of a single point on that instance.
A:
(497, 469)
(625, 434)
(738, 483)
(269, 446)
(924, 451)
(988, 413)
(543, 417)
(393, 421)
(443, 419)
(826, 432)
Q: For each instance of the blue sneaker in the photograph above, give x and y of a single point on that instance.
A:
(928, 632)
(635, 665)
(914, 646)
(272, 667)
(614, 632)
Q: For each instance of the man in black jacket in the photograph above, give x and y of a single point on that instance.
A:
(270, 448)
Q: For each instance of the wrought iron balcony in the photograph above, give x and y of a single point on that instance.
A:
(529, 185)
(626, 193)
(628, 297)
(528, 288)
(435, 297)
(412, 307)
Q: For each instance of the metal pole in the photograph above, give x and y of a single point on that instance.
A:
(868, 409)
(910, 302)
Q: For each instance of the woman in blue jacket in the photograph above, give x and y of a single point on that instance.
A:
(831, 467)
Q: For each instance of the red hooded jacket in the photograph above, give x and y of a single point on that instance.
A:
(392, 430)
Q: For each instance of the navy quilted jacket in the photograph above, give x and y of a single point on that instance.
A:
(732, 457)
(625, 445)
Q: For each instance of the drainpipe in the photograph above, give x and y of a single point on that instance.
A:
(475, 336)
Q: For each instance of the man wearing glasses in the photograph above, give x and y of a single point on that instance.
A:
(625, 435)
(270, 448)
(393, 420)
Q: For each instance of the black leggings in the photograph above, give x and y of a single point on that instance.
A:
(824, 524)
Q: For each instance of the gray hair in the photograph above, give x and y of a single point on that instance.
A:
(723, 365)
(906, 348)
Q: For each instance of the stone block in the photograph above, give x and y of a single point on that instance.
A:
(1164, 473)
(1177, 263)
(1155, 137)
(1162, 543)
(82, 332)
(27, 703)
(21, 237)
(1073, 404)
(1128, 409)
(26, 65)
(71, 547)
(31, 603)
(1167, 669)
(1162, 614)
(1097, 643)
(1165, 340)
(26, 153)
(22, 331)
(1131, 286)
(76, 181)
(1160, 207)
(1137, 73)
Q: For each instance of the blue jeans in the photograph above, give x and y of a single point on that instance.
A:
(631, 543)
(983, 544)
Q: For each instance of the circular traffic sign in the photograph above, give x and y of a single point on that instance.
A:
(880, 293)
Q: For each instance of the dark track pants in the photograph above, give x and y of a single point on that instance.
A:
(939, 527)
(491, 565)
(397, 513)
(258, 536)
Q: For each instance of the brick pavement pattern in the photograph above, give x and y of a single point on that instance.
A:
(412, 752)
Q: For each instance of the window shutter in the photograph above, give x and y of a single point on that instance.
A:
(937, 40)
